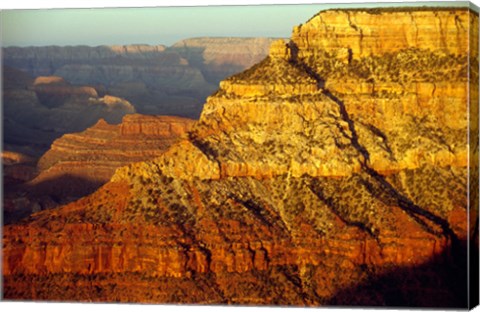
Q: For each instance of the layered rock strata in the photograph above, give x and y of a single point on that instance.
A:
(319, 166)
(95, 153)
(78, 163)
(37, 111)
(150, 77)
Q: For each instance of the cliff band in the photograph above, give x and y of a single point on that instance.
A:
(334, 171)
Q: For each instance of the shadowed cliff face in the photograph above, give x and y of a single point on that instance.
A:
(79, 163)
(37, 111)
(323, 175)
(432, 284)
(152, 78)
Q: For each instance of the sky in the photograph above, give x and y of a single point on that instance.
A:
(159, 25)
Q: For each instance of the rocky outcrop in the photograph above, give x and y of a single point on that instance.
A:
(93, 155)
(117, 142)
(54, 91)
(294, 82)
(79, 163)
(37, 111)
(12, 158)
(17, 167)
(355, 34)
(285, 194)
(48, 80)
(164, 127)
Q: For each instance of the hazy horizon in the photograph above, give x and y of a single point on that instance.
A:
(163, 25)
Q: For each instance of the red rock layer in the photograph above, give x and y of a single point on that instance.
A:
(95, 154)
(290, 189)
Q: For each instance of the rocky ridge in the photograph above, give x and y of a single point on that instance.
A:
(110, 146)
(319, 166)
(79, 163)
(150, 77)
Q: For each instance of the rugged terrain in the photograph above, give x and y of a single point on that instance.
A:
(51, 90)
(333, 172)
(37, 111)
(78, 163)
(155, 79)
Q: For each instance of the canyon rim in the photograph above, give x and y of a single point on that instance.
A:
(338, 167)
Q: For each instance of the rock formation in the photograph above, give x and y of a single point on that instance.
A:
(37, 111)
(325, 174)
(17, 168)
(78, 163)
(150, 77)
(94, 154)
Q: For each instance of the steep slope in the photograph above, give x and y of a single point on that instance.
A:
(315, 168)
(78, 163)
(94, 154)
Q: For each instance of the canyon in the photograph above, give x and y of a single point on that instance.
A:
(79, 163)
(94, 154)
(37, 111)
(50, 91)
(338, 170)
(156, 79)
